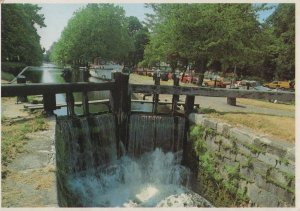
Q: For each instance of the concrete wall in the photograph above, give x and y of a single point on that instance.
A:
(260, 169)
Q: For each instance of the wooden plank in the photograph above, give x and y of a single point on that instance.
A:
(156, 96)
(49, 103)
(70, 104)
(85, 99)
(59, 105)
(284, 96)
(11, 90)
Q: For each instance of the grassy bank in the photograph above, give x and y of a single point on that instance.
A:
(7, 76)
(14, 137)
(265, 104)
(277, 127)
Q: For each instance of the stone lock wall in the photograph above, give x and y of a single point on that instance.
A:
(259, 170)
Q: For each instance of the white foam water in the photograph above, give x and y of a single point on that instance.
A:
(154, 179)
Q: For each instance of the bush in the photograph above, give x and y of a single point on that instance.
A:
(7, 76)
(12, 67)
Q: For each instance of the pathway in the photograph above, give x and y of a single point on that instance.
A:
(31, 179)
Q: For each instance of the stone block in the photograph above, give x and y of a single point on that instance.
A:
(262, 140)
(267, 199)
(290, 154)
(218, 139)
(289, 168)
(230, 162)
(211, 145)
(283, 204)
(198, 119)
(279, 177)
(259, 166)
(223, 128)
(268, 159)
(261, 182)
(260, 197)
(227, 154)
(245, 151)
(292, 184)
(277, 148)
(243, 160)
(282, 194)
(242, 135)
(226, 143)
(247, 174)
(252, 192)
(210, 123)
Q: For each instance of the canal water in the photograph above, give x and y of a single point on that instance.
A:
(50, 73)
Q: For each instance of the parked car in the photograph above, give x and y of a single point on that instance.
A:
(164, 75)
(280, 85)
(195, 79)
(187, 78)
(215, 83)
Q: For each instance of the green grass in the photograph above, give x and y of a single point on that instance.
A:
(275, 126)
(7, 76)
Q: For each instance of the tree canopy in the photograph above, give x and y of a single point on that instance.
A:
(226, 34)
(19, 38)
(282, 25)
(139, 34)
(97, 30)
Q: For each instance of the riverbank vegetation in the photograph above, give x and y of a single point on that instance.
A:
(20, 42)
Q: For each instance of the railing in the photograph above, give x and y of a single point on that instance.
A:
(283, 96)
(121, 91)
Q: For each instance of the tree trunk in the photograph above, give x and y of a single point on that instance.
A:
(200, 67)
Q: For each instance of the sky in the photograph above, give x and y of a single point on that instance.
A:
(57, 16)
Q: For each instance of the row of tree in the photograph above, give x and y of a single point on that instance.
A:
(220, 37)
(101, 31)
(20, 41)
(227, 37)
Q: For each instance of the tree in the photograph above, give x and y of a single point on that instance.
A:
(203, 33)
(139, 34)
(97, 30)
(47, 55)
(282, 25)
(20, 40)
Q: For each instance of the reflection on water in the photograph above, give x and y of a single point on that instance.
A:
(50, 73)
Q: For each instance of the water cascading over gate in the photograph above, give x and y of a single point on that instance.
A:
(91, 172)
(148, 132)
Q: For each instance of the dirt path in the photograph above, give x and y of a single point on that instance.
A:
(31, 178)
